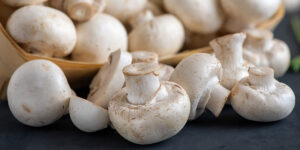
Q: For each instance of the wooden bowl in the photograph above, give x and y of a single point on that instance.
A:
(80, 73)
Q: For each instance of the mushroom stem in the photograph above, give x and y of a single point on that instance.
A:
(142, 82)
(141, 18)
(259, 39)
(262, 77)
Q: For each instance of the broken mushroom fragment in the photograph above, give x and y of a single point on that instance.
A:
(229, 50)
(262, 50)
(156, 33)
(86, 116)
(99, 37)
(19, 3)
(200, 76)
(110, 79)
(148, 111)
(200, 16)
(49, 32)
(38, 93)
(262, 98)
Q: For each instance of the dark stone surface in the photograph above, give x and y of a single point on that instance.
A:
(228, 132)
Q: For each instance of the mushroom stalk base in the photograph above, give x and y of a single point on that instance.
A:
(217, 99)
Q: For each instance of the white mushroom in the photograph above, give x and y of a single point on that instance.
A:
(229, 50)
(147, 111)
(38, 93)
(43, 30)
(98, 37)
(164, 72)
(262, 50)
(262, 98)
(200, 16)
(86, 116)
(110, 79)
(199, 75)
(125, 9)
(19, 3)
(156, 34)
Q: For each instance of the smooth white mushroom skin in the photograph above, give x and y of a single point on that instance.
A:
(110, 79)
(19, 3)
(150, 119)
(38, 93)
(200, 76)
(262, 98)
(200, 16)
(99, 37)
(86, 116)
(157, 34)
(49, 32)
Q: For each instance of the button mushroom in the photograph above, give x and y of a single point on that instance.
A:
(110, 79)
(49, 32)
(147, 111)
(19, 3)
(199, 75)
(260, 97)
(38, 93)
(200, 16)
(86, 116)
(156, 33)
(262, 50)
(229, 50)
(98, 37)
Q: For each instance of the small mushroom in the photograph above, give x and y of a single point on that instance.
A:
(200, 16)
(199, 75)
(38, 93)
(49, 32)
(99, 37)
(156, 33)
(262, 50)
(164, 72)
(147, 110)
(229, 50)
(86, 116)
(262, 98)
(20, 3)
(110, 79)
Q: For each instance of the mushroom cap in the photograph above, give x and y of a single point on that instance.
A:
(157, 34)
(38, 93)
(201, 16)
(43, 30)
(155, 121)
(251, 11)
(194, 74)
(124, 9)
(99, 37)
(262, 104)
(86, 116)
(19, 3)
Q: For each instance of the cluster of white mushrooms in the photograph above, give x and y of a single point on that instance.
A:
(144, 101)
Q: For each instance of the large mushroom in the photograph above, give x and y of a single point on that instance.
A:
(20, 3)
(147, 111)
(42, 30)
(262, 98)
(38, 93)
(200, 76)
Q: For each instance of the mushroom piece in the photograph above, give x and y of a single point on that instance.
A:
(200, 75)
(229, 50)
(110, 79)
(20, 3)
(38, 93)
(156, 33)
(164, 72)
(99, 37)
(86, 116)
(262, 98)
(49, 32)
(200, 16)
(125, 9)
(147, 110)
(262, 50)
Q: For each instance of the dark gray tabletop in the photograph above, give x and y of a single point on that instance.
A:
(228, 132)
